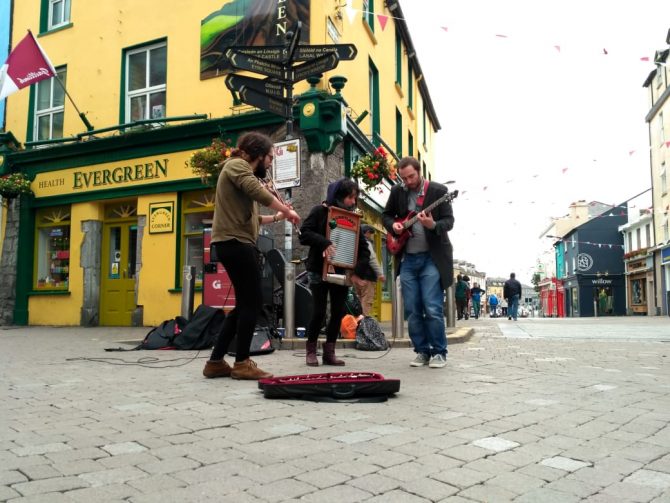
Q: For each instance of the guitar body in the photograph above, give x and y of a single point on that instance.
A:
(395, 244)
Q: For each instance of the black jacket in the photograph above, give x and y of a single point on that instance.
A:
(438, 240)
(313, 234)
(511, 287)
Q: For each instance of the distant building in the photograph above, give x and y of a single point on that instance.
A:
(639, 264)
(658, 118)
(589, 261)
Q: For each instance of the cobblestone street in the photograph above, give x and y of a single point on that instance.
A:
(528, 419)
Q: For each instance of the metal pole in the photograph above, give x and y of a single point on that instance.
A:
(397, 308)
(187, 291)
(289, 299)
(451, 308)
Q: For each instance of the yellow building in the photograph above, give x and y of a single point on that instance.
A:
(116, 211)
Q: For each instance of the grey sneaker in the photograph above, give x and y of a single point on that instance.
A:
(420, 360)
(437, 362)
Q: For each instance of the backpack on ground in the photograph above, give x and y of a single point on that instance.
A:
(202, 329)
(163, 336)
(369, 336)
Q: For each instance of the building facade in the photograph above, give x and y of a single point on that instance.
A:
(658, 120)
(639, 265)
(592, 266)
(117, 212)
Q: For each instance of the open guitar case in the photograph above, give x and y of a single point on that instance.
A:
(331, 387)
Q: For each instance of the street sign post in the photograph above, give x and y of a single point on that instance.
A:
(277, 53)
(272, 88)
(314, 66)
(278, 106)
(257, 65)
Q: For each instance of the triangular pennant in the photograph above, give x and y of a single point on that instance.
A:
(382, 20)
(444, 28)
(351, 13)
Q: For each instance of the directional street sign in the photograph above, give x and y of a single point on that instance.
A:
(236, 82)
(255, 64)
(265, 102)
(314, 66)
(345, 52)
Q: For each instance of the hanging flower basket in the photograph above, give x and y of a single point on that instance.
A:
(207, 163)
(372, 168)
(13, 185)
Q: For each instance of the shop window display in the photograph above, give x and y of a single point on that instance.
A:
(197, 207)
(53, 249)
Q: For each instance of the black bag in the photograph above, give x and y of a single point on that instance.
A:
(262, 343)
(369, 336)
(352, 303)
(202, 329)
(163, 336)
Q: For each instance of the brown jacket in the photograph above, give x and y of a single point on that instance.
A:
(236, 210)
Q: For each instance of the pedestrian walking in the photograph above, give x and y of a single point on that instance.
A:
(476, 295)
(461, 297)
(512, 293)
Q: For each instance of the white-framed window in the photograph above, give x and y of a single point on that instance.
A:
(647, 232)
(661, 127)
(664, 179)
(49, 107)
(638, 236)
(666, 231)
(146, 72)
(59, 13)
(630, 241)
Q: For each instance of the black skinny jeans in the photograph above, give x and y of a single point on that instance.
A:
(338, 295)
(241, 263)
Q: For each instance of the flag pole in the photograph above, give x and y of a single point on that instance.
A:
(82, 115)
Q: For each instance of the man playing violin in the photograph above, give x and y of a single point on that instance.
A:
(425, 264)
(239, 193)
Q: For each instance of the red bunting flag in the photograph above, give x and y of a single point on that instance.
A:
(644, 58)
(382, 20)
(27, 64)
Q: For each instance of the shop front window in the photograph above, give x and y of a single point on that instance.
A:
(637, 289)
(604, 300)
(197, 208)
(52, 267)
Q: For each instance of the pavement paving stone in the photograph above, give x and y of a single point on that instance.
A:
(37, 472)
(169, 465)
(386, 459)
(466, 452)
(546, 495)
(661, 464)
(632, 492)
(56, 484)
(122, 460)
(488, 492)
(7, 493)
(374, 483)
(355, 468)
(397, 496)
(545, 473)
(462, 477)
(323, 478)
(564, 463)
(155, 483)
(429, 488)
(337, 495)
(281, 490)
(649, 478)
(490, 465)
(409, 471)
(596, 476)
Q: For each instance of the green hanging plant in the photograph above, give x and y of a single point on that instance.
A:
(13, 185)
(207, 163)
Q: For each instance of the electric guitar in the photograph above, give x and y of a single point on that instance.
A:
(396, 243)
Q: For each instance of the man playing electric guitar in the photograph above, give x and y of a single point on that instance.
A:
(425, 265)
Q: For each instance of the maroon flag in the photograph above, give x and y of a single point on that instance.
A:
(26, 65)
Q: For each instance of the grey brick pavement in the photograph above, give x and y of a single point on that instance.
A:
(523, 412)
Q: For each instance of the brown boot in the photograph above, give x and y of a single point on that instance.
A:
(329, 354)
(311, 359)
(216, 369)
(248, 369)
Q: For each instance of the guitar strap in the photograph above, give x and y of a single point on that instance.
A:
(419, 200)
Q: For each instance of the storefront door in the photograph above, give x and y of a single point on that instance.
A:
(117, 296)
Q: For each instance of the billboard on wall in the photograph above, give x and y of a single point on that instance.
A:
(245, 23)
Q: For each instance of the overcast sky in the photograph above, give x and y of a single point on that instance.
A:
(541, 104)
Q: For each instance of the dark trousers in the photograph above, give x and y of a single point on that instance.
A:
(338, 295)
(242, 266)
(461, 307)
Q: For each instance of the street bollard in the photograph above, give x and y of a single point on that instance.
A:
(397, 317)
(451, 308)
(187, 291)
(289, 300)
